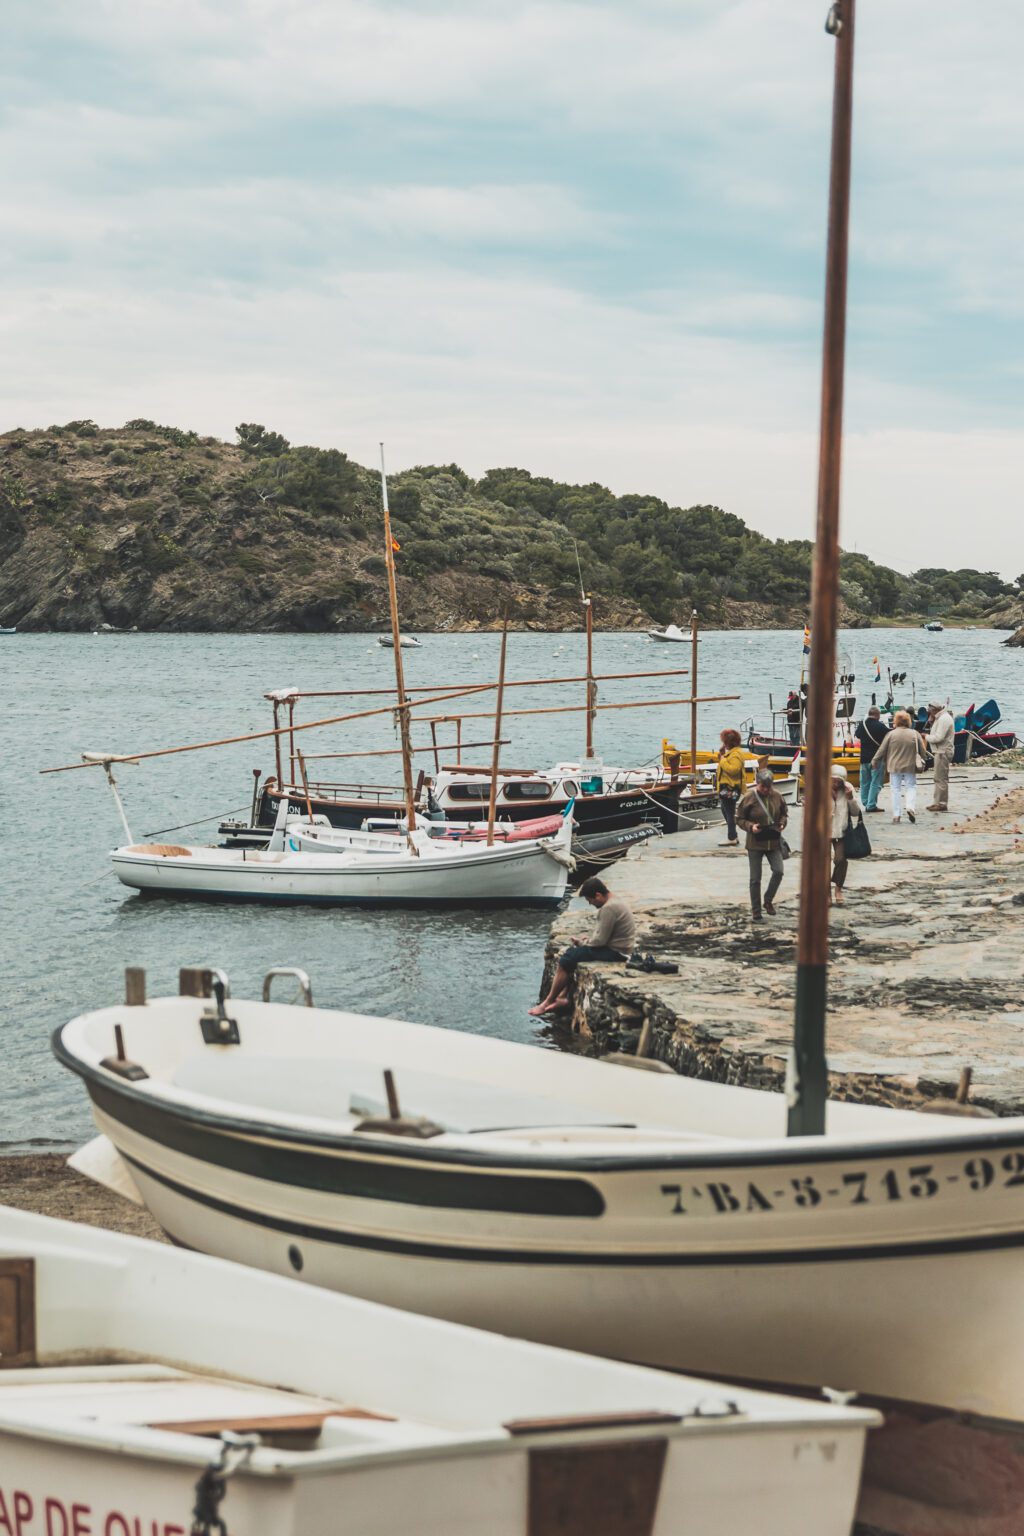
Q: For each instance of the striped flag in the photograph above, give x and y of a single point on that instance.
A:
(878, 670)
(807, 639)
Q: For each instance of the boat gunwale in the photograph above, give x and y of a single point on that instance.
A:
(780, 1151)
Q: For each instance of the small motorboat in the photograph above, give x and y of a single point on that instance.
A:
(8, 629)
(366, 867)
(407, 642)
(498, 1185)
(147, 1389)
(670, 632)
(934, 628)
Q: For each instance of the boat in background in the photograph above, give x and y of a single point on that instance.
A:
(670, 632)
(407, 642)
(977, 734)
(145, 1380)
(8, 629)
(664, 1219)
(934, 628)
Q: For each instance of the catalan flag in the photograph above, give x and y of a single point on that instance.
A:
(807, 639)
(878, 670)
(395, 544)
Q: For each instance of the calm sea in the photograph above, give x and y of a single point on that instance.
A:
(70, 928)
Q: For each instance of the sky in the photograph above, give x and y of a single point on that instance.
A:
(586, 239)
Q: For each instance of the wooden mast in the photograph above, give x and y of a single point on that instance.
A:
(496, 748)
(588, 610)
(693, 696)
(396, 636)
(807, 1087)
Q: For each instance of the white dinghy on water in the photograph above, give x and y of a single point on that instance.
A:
(670, 632)
(655, 1218)
(407, 642)
(152, 1390)
(358, 867)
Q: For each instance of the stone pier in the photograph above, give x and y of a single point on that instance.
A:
(927, 963)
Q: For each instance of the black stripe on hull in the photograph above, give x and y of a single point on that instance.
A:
(585, 1259)
(355, 1177)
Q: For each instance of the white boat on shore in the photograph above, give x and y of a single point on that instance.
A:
(656, 1218)
(137, 1375)
(356, 867)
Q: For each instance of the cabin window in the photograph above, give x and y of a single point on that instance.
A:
(537, 790)
(570, 789)
(844, 707)
(469, 791)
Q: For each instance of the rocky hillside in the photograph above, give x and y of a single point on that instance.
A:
(157, 528)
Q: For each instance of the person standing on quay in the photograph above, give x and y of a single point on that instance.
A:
(871, 732)
(900, 753)
(729, 781)
(844, 805)
(941, 731)
(762, 814)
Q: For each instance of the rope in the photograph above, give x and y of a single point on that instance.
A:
(184, 825)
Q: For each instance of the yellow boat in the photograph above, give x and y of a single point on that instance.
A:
(677, 760)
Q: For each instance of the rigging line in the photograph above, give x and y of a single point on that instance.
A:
(184, 825)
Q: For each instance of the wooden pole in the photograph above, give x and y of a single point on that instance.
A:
(518, 682)
(588, 609)
(693, 690)
(496, 750)
(277, 742)
(291, 740)
(806, 1090)
(305, 787)
(575, 709)
(396, 635)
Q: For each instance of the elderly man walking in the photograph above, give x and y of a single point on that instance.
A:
(940, 739)
(762, 815)
(871, 732)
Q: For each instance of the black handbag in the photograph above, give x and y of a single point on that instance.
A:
(855, 839)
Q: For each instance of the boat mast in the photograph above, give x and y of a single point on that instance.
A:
(396, 636)
(808, 1077)
(693, 697)
(588, 611)
(496, 745)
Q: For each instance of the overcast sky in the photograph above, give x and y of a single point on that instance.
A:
(583, 238)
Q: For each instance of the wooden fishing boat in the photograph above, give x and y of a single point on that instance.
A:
(147, 1388)
(368, 868)
(661, 1219)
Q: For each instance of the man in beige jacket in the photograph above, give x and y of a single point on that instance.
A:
(941, 731)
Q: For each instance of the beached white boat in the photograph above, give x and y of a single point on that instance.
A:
(670, 632)
(406, 642)
(134, 1368)
(657, 1218)
(356, 867)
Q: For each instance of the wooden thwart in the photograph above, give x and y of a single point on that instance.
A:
(17, 1313)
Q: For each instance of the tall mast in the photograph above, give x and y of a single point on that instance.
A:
(496, 745)
(396, 636)
(809, 1072)
(588, 613)
(693, 696)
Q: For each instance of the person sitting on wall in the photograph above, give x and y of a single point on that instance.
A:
(613, 939)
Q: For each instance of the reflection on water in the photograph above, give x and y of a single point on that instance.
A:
(70, 928)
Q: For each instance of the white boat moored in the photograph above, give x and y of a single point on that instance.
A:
(656, 1218)
(133, 1369)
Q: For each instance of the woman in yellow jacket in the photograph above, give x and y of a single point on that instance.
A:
(730, 782)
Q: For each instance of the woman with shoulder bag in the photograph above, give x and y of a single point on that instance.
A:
(901, 754)
(729, 782)
(845, 805)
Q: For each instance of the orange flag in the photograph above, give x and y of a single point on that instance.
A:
(395, 544)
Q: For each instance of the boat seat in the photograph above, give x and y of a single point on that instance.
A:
(332, 1088)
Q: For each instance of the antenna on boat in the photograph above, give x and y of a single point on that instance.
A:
(496, 748)
(588, 621)
(807, 1079)
(390, 545)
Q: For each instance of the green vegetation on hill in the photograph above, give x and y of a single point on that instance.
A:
(157, 527)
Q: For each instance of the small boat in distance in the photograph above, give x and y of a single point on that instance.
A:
(934, 628)
(143, 1378)
(8, 629)
(407, 642)
(670, 632)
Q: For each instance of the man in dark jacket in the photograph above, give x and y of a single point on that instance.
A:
(871, 732)
(762, 814)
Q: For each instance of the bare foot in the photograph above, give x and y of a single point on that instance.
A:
(536, 1012)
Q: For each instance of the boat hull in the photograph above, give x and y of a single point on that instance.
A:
(613, 812)
(841, 1267)
(519, 876)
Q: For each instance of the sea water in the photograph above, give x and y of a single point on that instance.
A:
(69, 927)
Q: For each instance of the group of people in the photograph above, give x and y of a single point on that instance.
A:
(761, 813)
(900, 750)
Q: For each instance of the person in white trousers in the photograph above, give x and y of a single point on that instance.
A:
(900, 754)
